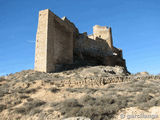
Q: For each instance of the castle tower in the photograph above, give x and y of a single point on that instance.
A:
(54, 42)
(57, 39)
(104, 33)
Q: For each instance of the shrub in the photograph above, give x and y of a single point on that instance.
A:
(27, 91)
(54, 104)
(30, 99)
(23, 96)
(94, 108)
(30, 91)
(21, 110)
(2, 79)
(87, 100)
(33, 104)
(35, 111)
(54, 90)
(141, 98)
(30, 107)
(4, 89)
(82, 90)
(2, 107)
(71, 103)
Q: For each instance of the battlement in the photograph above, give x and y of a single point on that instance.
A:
(58, 41)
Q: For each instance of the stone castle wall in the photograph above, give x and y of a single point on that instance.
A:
(54, 42)
(104, 33)
(41, 42)
(92, 47)
(99, 44)
(58, 40)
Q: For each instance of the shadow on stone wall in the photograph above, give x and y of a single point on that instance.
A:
(90, 52)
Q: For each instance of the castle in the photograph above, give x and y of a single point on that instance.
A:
(58, 42)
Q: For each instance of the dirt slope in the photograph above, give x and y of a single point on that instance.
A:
(98, 93)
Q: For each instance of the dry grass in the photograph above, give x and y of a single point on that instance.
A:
(137, 93)
(2, 107)
(99, 108)
(82, 90)
(30, 107)
(30, 93)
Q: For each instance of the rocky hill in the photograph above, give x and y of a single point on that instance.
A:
(86, 93)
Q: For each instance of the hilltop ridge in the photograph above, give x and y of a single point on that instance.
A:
(96, 93)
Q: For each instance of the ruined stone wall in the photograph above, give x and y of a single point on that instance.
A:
(41, 42)
(101, 81)
(92, 47)
(54, 44)
(98, 44)
(104, 33)
(58, 38)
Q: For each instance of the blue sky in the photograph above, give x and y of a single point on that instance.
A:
(135, 26)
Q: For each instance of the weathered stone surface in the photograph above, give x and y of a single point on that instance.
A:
(103, 32)
(58, 41)
(54, 43)
(101, 71)
(142, 74)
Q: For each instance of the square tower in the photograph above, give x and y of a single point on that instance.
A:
(54, 42)
(104, 33)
